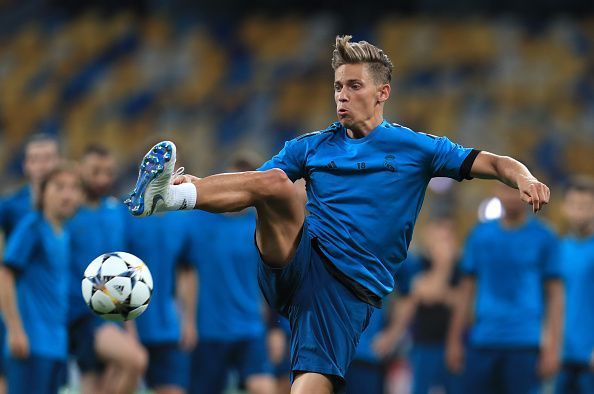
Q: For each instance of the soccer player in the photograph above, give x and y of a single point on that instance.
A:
(230, 305)
(366, 179)
(34, 287)
(162, 242)
(99, 227)
(42, 154)
(427, 294)
(577, 268)
(512, 278)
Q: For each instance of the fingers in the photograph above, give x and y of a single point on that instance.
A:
(537, 195)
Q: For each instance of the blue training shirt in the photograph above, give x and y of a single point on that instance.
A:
(162, 242)
(510, 267)
(229, 300)
(14, 208)
(93, 231)
(41, 257)
(577, 267)
(365, 194)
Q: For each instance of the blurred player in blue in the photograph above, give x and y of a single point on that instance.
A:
(366, 179)
(512, 279)
(162, 242)
(42, 154)
(34, 287)
(230, 306)
(427, 294)
(577, 267)
(99, 227)
(367, 372)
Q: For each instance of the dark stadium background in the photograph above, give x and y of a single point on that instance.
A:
(513, 77)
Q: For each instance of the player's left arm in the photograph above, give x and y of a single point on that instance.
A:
(513, 173)
(553, 328)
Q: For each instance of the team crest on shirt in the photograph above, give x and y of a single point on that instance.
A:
(389, 163)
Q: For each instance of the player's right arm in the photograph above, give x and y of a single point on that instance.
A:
(17, 338)
(459, 321)
(19, 249)
(512, 173)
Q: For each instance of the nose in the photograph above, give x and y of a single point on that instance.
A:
(341, 96)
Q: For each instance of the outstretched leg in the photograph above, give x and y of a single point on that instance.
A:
(279, 206)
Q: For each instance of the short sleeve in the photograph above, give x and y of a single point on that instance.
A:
(452, 160)
(291, 159)
(21, 244)
(468, 264)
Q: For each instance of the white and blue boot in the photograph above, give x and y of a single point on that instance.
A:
(154, 180)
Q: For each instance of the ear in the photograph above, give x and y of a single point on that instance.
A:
(383, 93)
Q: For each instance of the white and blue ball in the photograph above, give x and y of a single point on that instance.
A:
(117, 286)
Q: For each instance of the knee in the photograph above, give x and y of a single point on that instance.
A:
(274, 184)
(139, 361)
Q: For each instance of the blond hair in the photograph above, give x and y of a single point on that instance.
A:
(379, 64)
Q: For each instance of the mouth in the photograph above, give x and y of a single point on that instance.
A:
(342, 112)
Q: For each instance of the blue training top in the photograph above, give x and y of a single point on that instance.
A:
(41, 257)
(229, 300)
(162, 242)
(510, 267)
(577, 268)
(14, 208)
(365, 194)
(93, 231)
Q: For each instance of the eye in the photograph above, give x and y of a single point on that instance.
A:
(337, 87)
(356, 86)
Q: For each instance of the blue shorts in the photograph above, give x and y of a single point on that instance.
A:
(429, 370)
(81, 338)
(39, 375)
(326, 317)
(493, 370)
(365, 377)
(575, 378)
(213, 360)
(168, 366)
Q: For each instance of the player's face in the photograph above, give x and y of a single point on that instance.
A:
(357, 96)
(98, 174)
(62, 195)
(510, 201)
(578, 208)
(40, 158)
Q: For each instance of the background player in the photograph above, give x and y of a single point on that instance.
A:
(577, 267)
(512, 279)
(168, 334)
(427, 293)
(99, 227)
(366, 181)
(230, 306)
(33, 292)
(42, 154)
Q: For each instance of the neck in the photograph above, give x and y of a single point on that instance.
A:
(583, 231)
(364, 128)
(511, 221)
(54, 221)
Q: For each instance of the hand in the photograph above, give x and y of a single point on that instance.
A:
(592, 361)
(455, 356)
(189, 336)
(533, 192)
(277, 345)
(184, 178)
(384, 343)
(18, 343)
(548, 363)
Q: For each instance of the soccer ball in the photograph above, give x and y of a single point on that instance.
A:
(117, 286)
